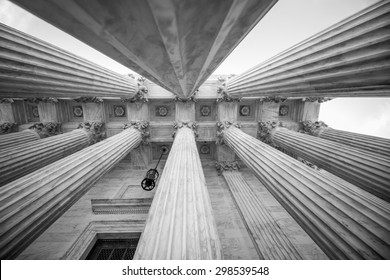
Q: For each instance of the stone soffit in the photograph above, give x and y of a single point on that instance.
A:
(176, 44)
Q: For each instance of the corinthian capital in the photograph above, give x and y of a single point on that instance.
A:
(6, 100)
(141, 94)
(221, 126)
(191, 98)
(264, 133)
(223, 95)
(275, 99)
(222, 166)
(316, 99)
(312, 128)
(46, 129)
(95, 130)
(7, 127)
(142, 127)
(43, 99)
(89, 99)
(189, 124)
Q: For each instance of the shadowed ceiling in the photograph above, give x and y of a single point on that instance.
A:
(174, 43)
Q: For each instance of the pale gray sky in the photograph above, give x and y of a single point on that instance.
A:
(287, 23)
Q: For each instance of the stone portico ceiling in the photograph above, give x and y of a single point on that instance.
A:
(176, 44)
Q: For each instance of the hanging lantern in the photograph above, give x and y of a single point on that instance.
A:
(149, 182)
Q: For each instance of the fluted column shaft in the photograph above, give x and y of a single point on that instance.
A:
(350, 58)
(32, 203)
(15, 162)
(270, 241)
(344, 224)
(17, 138)
(180, 224)
(369, 171)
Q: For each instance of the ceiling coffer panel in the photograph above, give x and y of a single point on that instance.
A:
(176, 44)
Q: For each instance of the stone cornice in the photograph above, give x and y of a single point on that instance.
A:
(141, 126)
(96, 131)
(46, 129)
(223, 95)
(222, 166)
(6, 100)
(221, 126)
(43, 99)
(275, 99)
(189, 124)
(265, 131)
(7, 127)
(312, 128)
(316, 99)
(89, 99)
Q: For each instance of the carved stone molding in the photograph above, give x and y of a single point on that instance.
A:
(191, 125)
(265, 130)
(141, 126)
(312, 128)
(6, 100)
(46, 129)
(43, 99)
(89, 99)
(221, 126)
(7, 127)
(316, 99)
(223, 95)
(275, 99)
(96, 131)
(222, 166)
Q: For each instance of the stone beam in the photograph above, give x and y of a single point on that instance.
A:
(348, 59)
(33, 68)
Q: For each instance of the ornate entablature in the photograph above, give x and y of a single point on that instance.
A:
(223, 166)
(189, 124)
(46, 129)
(221, 126)
(43, 99)
(7, 127)
(96, 130)
(275, 99)
(6, 100)
(265, 130)
(312, 128)
(316, 99)
(142, 127)
(223, 95)
(89, 99)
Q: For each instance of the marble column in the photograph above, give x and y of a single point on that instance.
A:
(343, 223)
(270, 241)
(367, 170)
(376, 145)
(348, 59)
(32, 203)
(180, 224)
(17, 138)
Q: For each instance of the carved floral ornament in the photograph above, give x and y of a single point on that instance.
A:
(227, 166)
(43, 99)
(316, 99)
(89, 99)
(191, 125)
(46, 129)
(141, 126)
(312, 128)
(7, 127)
(275, 99)
(191, 98)
(223, 95)
(221, 126)
(96, 131)
(141, 94)
(265, 129)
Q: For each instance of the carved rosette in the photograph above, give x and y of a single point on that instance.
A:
(191, 125)
(191, 98)
(265, 130)
(316, 99)
(89, 99)
(6, 100)
(142, 127)
(46, 129)
(95, 130)
(43, 99)
(223, 95)
(7, 127)
(223, 166)
(275, 99)
(221, 126)
(312, 128)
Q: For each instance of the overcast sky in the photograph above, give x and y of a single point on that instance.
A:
(287, 23)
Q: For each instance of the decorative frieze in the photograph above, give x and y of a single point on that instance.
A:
(222, 166)
(7, 127)
(221, 126)
(274, 99)
(46, 129)
(142, 127)
(96, 131)
(316, 99)
(265, 130)
(43, 99)
(88, 99)
(180, 124)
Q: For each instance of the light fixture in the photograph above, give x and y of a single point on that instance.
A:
(149, 182)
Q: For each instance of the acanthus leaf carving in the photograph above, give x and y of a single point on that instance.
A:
(265, 130)
(223, 95)
(316, 99)
(46, 129)
(95, 130)
(142, 127)
(88, 99)
(221, 126)
(275, 99)
(42, 99)
(189, 124)
(222, 166)
(7, 127)
(141, 94)
(312, 128)
(191, 98)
